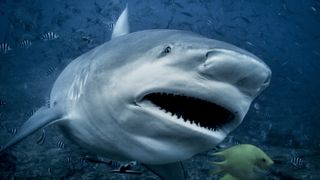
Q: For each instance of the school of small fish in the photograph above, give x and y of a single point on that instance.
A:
(25, 44)
(295, 161)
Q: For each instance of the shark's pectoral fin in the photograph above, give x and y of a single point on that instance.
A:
(38, 120)
(122, 25)
(168, 171)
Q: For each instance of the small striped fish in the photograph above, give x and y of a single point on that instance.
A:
(47, 102)
(267, 115)
(296, 162)
(256, 106)
(115, 164)
(49, 36)
(25, 44)
(4, 48)
(67, 160)
(249, 43)
(209, 22)
(83, 161)
(49, 171)
(60, 144)
(51, 70)
(12, 131)
(110, 26)
(3, 115)
(30, 113)
(2, 102)
(42, 138)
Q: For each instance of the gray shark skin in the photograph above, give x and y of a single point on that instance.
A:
(116, 100)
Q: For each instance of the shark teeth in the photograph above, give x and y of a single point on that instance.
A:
(201, 113)
(179, 117)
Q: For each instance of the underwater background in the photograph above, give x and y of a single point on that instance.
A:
(38, 38)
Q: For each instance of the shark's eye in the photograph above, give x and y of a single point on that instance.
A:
(167, 50)
(263, 160)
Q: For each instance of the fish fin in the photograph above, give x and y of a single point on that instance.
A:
(216, 171)
(39, 119)
(217, 163)
(228, 177)
(122, 25)
(217, 154)
(168, 171)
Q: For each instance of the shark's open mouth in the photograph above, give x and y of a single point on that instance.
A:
(203, 113)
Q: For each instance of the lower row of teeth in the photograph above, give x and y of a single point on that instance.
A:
(186, 120)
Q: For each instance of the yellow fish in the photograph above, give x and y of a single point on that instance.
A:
(242, 162)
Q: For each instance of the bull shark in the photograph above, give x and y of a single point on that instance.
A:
(156, 96)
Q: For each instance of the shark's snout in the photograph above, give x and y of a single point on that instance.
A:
(240, 69)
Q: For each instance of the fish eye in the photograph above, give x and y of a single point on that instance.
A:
(264, 160)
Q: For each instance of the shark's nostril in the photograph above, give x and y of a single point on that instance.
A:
(211, 53)
(207, 55)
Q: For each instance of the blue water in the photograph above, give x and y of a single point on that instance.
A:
(283, 33)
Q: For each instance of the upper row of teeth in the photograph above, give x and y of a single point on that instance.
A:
(187, 120)
(172, 94)
(188, 97)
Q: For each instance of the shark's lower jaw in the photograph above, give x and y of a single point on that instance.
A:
(191, 110)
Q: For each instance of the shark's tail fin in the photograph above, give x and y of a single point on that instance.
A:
(39, 119)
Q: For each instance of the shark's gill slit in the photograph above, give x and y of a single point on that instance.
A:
(203, 113)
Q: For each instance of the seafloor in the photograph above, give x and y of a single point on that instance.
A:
(48, 161)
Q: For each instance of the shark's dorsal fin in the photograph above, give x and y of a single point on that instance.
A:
(122, 25)
(39, 119)
(168, 171)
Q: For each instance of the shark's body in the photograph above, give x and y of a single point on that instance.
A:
(135, 97)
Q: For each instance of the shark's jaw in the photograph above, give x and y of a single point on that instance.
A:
(197, 112)
(191, 110)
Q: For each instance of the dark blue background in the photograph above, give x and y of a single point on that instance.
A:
(284, 33)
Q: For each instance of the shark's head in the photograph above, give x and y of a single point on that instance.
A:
(180, 93)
